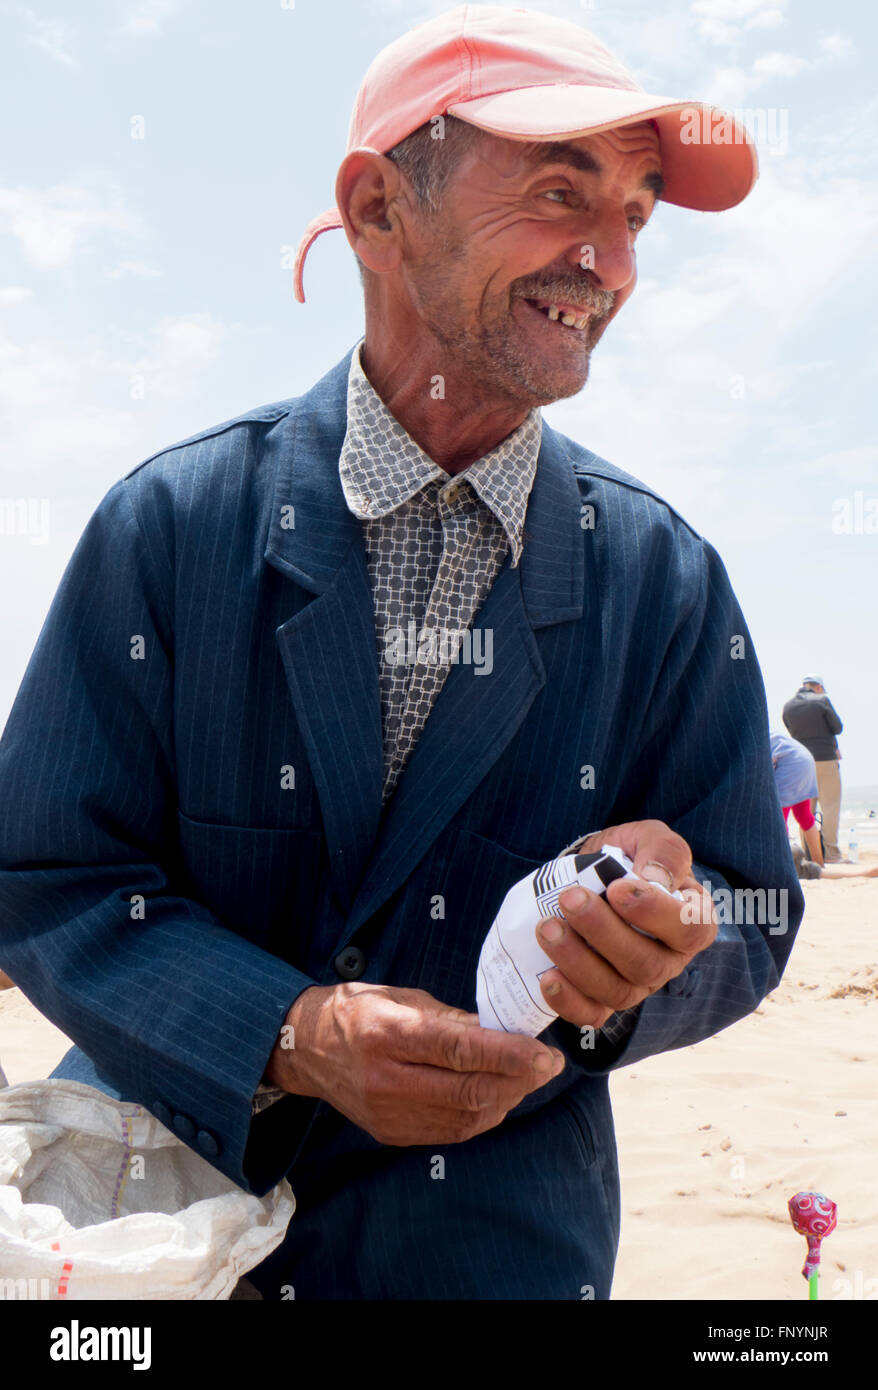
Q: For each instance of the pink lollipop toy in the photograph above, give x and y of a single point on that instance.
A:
(813, 1215)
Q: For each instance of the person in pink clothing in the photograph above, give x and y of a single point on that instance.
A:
(795, 777)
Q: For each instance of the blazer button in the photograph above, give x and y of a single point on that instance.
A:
(350, 963)
(184, 1127)
(162, 1113)
(206, 1142)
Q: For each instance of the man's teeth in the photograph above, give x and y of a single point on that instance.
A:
(571, 320)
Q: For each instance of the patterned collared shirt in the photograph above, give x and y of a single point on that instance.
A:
(435, 543)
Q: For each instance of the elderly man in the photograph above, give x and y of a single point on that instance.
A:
(256, 829)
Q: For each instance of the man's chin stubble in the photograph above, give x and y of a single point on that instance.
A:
(500, 369)
(532, 384)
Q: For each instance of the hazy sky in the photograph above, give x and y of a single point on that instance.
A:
(167, 152)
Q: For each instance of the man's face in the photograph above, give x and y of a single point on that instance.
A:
(519, 223)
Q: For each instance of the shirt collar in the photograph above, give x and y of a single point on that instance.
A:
(381, 466)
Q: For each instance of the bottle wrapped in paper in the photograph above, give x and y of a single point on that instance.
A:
(512, 962)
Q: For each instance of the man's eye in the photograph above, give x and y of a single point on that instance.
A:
(637, 221)
(560, 192)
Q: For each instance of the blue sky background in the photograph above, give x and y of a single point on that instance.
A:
(143, 294)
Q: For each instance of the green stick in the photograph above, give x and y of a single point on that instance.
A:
(812, 1284)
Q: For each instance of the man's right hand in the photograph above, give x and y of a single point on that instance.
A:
(404, 1067)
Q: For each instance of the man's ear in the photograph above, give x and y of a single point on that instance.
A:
(370, 196)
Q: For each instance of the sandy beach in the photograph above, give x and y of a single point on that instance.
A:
(714, 1139)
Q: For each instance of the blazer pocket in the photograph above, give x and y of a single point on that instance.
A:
(579, 1125)
(260, 882)
(480, 874)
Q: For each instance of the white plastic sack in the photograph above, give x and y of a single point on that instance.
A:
(98, 1200)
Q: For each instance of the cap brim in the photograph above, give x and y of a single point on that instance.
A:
(708, 158)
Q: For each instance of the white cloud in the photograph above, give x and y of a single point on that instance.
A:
(146, 17)
(844, 142)
(670, 315)
(797, 236)
(779, 65)
(852, 467)
(656, 424)
(734, 84)
(726, 21)
(192, 341)
(51, 35)
(82, 401)
(82, 433)
(49, 224)
(14, 294)
(837, 46)
(35, 374)
(730, 86)
(166, 360)
(662, 49)
(131, 268)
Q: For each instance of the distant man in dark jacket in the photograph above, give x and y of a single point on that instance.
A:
(811, 718)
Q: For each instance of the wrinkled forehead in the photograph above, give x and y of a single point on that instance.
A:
(638, 133)
(636, 142)
(639, 138)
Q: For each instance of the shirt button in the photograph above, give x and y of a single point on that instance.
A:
(350, 963)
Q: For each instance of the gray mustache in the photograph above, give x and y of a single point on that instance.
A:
(599, 301)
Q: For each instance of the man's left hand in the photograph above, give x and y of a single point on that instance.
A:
(603, 964)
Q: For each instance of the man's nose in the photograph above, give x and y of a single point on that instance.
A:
(605, 248)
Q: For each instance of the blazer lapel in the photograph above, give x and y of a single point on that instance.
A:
(328, 647)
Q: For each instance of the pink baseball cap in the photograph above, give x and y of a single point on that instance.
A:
(528, 76)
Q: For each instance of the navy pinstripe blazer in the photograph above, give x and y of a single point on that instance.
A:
(191, 828)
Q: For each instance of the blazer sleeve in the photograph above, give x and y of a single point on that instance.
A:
(702, 763)
(96, 927)
(833, 722)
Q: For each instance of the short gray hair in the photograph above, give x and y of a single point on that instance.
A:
(428, 159)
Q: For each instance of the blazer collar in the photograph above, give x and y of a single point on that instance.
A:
(310, 541)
